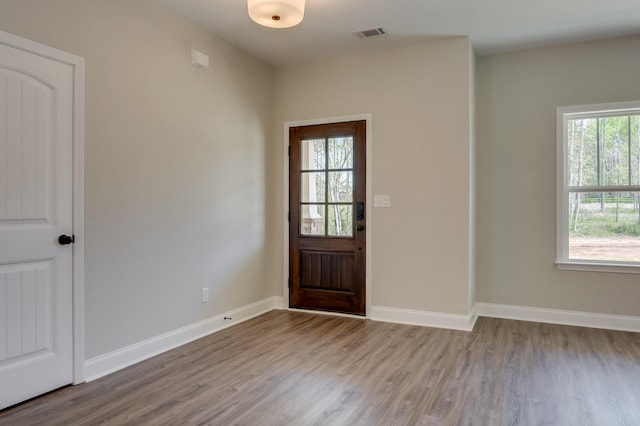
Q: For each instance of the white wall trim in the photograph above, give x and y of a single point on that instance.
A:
(77, 63)
(423, 318)
(368, 202)
(520, 313)
(111, 362)
(595, 266)
(555, 316)
(78, 222)
(278, 302)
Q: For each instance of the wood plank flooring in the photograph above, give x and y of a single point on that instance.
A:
(289, 368)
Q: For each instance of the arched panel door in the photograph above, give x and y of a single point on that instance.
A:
(36, 141)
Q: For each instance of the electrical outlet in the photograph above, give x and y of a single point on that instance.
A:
(205, 294)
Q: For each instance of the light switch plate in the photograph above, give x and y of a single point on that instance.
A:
(382, 200)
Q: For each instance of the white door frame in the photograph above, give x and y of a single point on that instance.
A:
(368, 204)
(77, 63)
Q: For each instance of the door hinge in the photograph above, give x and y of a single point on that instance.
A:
(289, 282)
(289, 151)
(289, 216)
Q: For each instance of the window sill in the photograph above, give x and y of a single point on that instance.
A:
(595, 266)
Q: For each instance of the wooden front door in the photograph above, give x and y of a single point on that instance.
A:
(327, 189)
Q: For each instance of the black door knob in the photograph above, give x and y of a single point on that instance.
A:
(359, 227)
(66, 239)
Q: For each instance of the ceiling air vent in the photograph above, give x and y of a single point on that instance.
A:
(370, 33)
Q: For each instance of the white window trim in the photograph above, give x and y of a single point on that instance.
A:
(562, 202)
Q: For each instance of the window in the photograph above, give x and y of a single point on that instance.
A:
(599, 187)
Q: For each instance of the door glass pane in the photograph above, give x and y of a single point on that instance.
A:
(312, 219)
(313, 154)
(341, 187)
(341, 152)
(312, 186)
(340, 220)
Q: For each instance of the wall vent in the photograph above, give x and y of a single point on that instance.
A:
(374, 32)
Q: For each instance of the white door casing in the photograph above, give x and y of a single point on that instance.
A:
(39, 300)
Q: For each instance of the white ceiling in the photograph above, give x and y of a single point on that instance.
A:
(493, 25)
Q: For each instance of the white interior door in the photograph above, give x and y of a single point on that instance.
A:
(36, 142)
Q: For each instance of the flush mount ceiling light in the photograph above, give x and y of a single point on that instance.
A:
(276, 13)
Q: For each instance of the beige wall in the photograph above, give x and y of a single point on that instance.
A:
(419, 98)
(175, 165)
(517, 98)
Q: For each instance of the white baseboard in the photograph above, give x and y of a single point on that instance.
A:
(423, 318)
(555, 316)
(278, 302)
(109, 363)
(102, 365)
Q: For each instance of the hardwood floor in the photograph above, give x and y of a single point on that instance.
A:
(287, 368)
